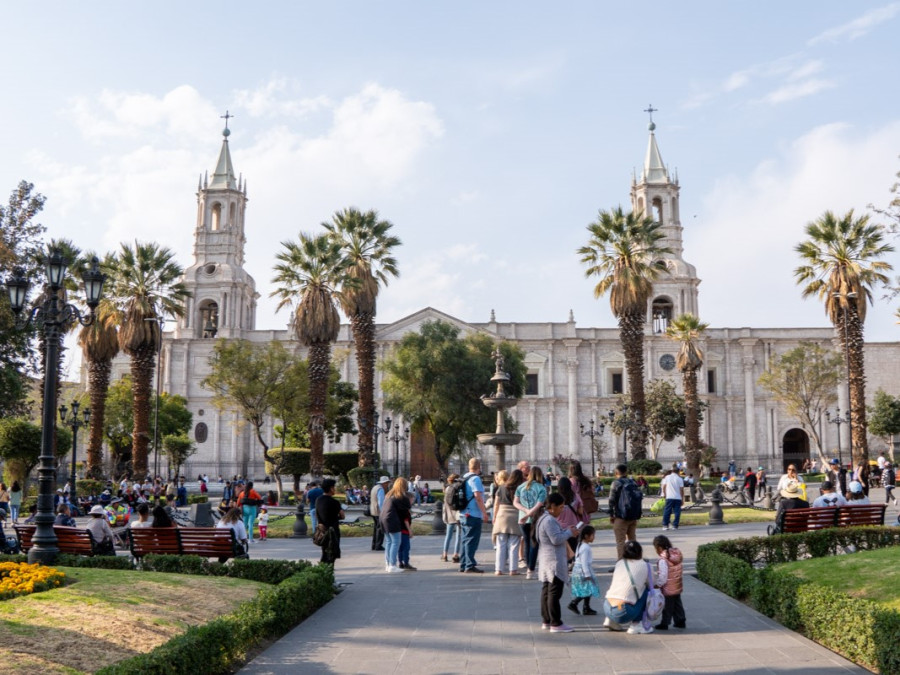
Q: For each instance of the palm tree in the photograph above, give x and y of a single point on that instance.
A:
(840, 267)
(625, 253)
(309, 274)
(146, 284)
(99, 344)
(687, 329)
(367, 250)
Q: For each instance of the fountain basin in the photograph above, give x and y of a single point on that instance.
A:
(500, 439)
(500, 403)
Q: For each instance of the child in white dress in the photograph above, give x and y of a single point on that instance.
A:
(584, 584)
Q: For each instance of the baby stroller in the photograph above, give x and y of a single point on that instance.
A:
(9, 544)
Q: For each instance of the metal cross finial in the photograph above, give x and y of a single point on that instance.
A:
(227, 116)
(650, 110)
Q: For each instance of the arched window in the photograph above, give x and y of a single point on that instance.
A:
(209, 319)
(662, 314)
(657, 210)
(216, 216)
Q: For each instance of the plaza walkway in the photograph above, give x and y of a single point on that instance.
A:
(437, 620)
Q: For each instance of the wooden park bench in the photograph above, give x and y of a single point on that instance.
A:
(804, 520)
(68, 539)
(207, 542)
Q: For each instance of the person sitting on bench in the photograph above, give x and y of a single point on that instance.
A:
(791, 498)
(102, 532)
(829, 497)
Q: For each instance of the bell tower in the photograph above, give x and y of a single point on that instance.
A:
(656, 194)
(223, 295)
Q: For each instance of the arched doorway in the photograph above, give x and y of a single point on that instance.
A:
(795, 447)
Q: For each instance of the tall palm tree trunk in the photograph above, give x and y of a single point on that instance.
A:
(98, 385)
(631, 334)
(691, 422)
(853, 348)
(143, 363)
(319, 362)
(363, 326)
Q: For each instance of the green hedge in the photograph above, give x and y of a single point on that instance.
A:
(363, 476)
(645, 467)
(340, 463)
(863, 631)
(218, 645)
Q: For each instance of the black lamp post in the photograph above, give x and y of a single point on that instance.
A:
(592, 434)
(74, 423)
(377, 431)
(629, 421)
(396, 437)
(162, 323)
(838, 420)
(51, 314)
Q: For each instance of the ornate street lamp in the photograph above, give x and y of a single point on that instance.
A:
(75, 423)
(629, 421)
(838, 420)
(51, 314)
(396, 437)
(592, 434)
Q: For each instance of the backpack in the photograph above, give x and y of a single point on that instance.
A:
(456, 494)
(630, 504)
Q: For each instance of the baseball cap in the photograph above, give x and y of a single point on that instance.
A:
(856, 487)
(834, 461)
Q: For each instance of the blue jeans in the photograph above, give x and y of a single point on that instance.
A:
(392, 548)
(471, 537)
(627, 613)
(14, 508)
(249, 513)
(452, 528)
(403, 554)
(672, 506)
(313, 516)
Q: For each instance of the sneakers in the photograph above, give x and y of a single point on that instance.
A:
(638, 629)
(522, 562)
(392, 569)
(573, 607)
(530, 575)
(545, 626)
(612, 625)
(660, 626)
(587, 611)
(473, 570)
(561, 628)
(409, 568)
(665, 527)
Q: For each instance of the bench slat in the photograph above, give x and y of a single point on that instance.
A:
(209, 542)
(160, 540)
(68, 539)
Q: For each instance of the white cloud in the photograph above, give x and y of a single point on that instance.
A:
(762, 216)
(273, 99)
(859, 26)
(807, 69)
(795, 90)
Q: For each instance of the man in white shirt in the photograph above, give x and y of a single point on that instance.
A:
(829, 497)
(672, 487)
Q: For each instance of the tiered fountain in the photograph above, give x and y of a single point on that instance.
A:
(500, 401)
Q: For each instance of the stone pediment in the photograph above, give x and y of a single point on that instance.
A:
(612, 357)
(392, 332)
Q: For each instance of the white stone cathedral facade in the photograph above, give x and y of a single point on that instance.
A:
(575, 373)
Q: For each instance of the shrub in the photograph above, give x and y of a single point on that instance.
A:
(363, 476)
(198, 499)
(340, 463)
(176, 564)
(867, 632)
(87, 486)
(290, 461)
(645, 467)
(106, 562)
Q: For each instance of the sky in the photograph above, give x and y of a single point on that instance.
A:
(489, 134)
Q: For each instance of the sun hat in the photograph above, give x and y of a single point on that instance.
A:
(97, 510)
(856, 487)
(791, 490)
(384, 479)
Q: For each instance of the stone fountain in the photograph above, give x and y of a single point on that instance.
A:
(500, 401)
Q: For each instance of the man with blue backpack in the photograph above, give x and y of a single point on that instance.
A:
(625, 507)
(467, 497)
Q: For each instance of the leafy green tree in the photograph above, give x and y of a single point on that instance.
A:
(625, 252)
(145, 283)
(20, 448)
(289, 461)
(666, 414)
(884, 417)
(178, 448)
(367, 246)
(20, 244)
(804, 380)
(435, 380)
(841, 266)
(174, 420)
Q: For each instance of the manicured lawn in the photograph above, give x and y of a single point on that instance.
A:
(101, 617)
(873, 575)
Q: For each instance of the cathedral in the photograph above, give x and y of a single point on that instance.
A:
(575, 373)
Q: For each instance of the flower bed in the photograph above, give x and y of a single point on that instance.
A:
(861, 630)
(22, 578)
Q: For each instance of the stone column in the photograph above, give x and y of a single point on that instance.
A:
(748, 363)
(572, 366)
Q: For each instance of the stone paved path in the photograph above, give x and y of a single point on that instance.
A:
(439, 621)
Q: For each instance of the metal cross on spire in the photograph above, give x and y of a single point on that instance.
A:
(650, 110)
(227, 116)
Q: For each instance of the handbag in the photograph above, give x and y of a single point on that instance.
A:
(320, 536)
(655, 601)
(658, 505)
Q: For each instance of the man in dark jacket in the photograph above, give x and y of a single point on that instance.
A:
(838, 477)
(623, 529)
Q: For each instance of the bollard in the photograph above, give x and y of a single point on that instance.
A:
(715, 513)
(300, 527)
(767, 502)
(438, 526)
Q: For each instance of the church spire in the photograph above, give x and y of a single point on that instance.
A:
(654, 169)
(223, 176)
